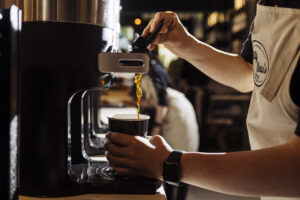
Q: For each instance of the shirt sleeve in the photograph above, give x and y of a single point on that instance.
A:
(247, 51)
(294, 94)
(297, 131)
(159, 82)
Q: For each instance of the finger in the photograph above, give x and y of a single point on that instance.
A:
(166, 17)
(122, 171)
(156, 140)
(157, 18)
(168, 22)
(162, 36)
(120, 138)
(116, 149)
(151, 46)
(164, 29)
(147, 29)
(118, 161)
(159, 141)
(107, 143)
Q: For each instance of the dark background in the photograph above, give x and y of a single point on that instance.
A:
(175, 5)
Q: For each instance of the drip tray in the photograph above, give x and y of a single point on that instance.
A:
(100, 174)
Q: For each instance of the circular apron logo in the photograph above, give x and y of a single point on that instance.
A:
(260, 63)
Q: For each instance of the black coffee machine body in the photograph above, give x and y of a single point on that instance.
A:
(62, 44)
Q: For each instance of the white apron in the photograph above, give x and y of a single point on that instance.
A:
(272, 116)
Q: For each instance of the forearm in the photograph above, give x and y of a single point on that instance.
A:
(229, 69)
(268, 172)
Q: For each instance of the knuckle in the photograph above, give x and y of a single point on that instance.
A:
(110, 136)
(157, 141)
(171, 13)
(108, 157)
(111, 148)
(158, 14)
(106, 146)
(157, 138)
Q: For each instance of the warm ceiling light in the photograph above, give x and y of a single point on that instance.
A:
(137, 21)
(212, 19)
(238, 4)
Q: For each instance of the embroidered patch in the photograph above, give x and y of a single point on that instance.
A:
(260, 63)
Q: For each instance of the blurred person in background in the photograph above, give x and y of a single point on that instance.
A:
(172, 115)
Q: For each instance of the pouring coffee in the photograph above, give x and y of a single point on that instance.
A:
(129, 124)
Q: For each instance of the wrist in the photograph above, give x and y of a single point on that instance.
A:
(163, 158)
(161, 152)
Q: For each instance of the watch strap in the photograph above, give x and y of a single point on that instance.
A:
(172, 168)
(175, 156)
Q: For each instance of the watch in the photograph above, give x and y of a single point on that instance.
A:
(172, 168)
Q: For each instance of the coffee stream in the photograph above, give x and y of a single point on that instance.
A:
(139, 92)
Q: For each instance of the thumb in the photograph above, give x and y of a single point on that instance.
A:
(156, 140)
(160, 143)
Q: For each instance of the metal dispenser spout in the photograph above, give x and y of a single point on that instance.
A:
(137, 61)
(123, 62)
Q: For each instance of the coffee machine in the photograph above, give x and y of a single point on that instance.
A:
(68, 49)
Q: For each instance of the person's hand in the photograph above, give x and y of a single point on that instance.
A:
(173, 35)
(136, 156)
